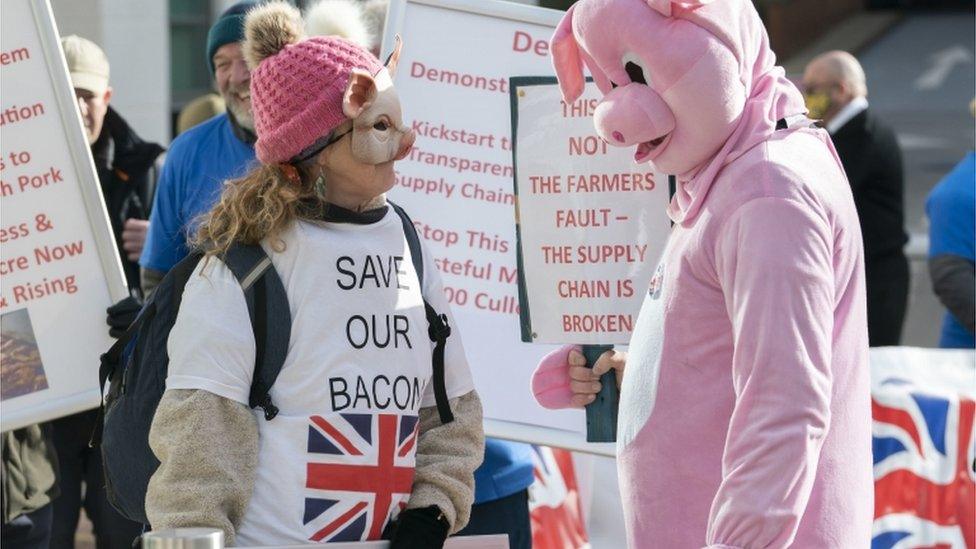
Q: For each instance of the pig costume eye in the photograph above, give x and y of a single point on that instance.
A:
(634, 72)
(635, 69)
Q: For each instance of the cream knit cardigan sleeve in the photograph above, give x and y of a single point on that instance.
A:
(207, 446)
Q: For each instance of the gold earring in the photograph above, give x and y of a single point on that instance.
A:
(320, 185)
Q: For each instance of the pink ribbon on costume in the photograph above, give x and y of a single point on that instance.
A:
(664, 6)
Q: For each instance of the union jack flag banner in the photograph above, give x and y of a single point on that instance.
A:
(923, 440)
(359, 475)
(556, 507)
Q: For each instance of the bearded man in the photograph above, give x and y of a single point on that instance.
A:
(202, 158)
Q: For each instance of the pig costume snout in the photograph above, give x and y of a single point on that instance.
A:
(633, 115)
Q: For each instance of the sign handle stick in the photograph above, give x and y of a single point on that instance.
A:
(601, 414)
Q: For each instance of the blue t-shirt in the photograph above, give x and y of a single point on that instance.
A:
(951, 207)
(198, 163)
(507, 469)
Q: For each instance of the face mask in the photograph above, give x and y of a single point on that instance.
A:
(817, 104)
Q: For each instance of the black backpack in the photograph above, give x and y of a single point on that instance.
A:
(137, 364)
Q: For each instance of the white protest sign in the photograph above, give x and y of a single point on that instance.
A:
(457, 185)
(592, 223)
(58, 263)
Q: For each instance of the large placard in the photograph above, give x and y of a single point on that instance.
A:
(592, 223)
(457, 184)
(58, 263)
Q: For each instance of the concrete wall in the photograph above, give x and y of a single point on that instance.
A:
(135, 37)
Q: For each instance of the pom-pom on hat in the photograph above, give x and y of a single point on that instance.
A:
(297, 84)
(342, 18)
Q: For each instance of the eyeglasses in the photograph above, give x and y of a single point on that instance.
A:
(320, 145)
(336, 138)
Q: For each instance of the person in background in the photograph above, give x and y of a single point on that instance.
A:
(28, 486)
(501, 493)
(836, 92)
(951, 207)
(127, 171)
(127, 166)
(199, 110)
(205, 156)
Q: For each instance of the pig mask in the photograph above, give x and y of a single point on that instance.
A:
(378, 133)
(691, 83)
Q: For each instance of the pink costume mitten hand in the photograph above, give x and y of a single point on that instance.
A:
(563, 380)
(551, 381)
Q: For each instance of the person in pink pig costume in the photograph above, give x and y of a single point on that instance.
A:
(745, 417)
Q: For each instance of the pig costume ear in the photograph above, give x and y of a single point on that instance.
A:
(394, 58)
(566, 58)
(664, 6)
(360, 93)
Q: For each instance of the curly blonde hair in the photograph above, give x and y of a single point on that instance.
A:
(257, 206)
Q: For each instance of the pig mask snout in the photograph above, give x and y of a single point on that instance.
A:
(406, 143)
(634, 114)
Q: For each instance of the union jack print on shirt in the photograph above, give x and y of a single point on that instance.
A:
(359, 474)
(923, 468)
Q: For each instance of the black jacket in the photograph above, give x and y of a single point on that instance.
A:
(872, 159)
(127, 170)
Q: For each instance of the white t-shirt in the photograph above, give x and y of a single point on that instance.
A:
(337, 463)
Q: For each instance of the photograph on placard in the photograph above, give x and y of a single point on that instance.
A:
(21, 367)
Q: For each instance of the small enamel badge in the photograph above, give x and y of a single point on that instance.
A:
(657, 282)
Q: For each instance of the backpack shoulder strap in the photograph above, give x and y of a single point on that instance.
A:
(413, 242)
(438, 328)
(267, 305)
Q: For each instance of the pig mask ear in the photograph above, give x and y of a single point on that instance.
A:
(394, 58)
(360, 93)
(566, 58)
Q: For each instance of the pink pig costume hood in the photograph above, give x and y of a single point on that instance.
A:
(745, 417)
(716, 50)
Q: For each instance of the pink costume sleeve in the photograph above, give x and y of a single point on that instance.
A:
(774, 262)
(550, 382)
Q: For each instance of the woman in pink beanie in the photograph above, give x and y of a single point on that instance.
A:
(363, 446)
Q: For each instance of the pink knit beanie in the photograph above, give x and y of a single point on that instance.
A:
(296, 84)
